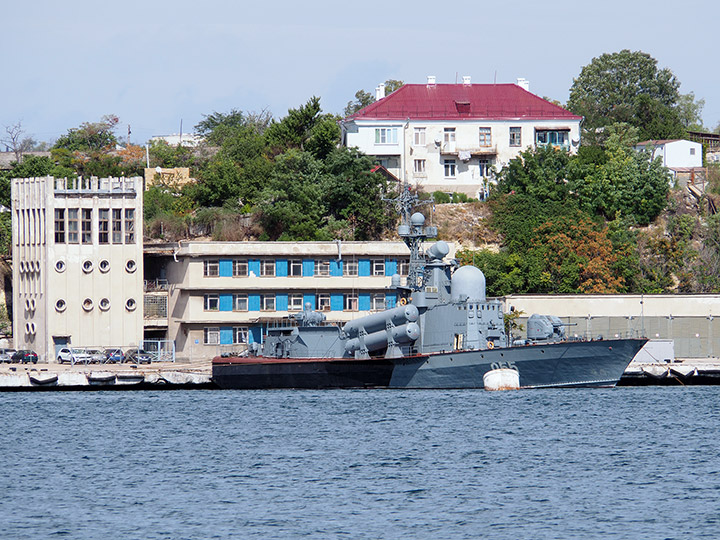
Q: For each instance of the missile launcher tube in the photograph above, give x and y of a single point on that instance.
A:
(378, 340)
(378, 321)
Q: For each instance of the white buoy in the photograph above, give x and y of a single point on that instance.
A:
(501, 379)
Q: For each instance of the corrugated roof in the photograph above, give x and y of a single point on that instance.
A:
(459, 101)
(657, 142)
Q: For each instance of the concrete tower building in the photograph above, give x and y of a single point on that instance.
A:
(77, 263)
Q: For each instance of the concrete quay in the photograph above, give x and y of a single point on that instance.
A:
(680, 372)
(157, 376)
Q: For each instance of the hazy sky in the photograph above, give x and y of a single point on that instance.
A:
(154, 63)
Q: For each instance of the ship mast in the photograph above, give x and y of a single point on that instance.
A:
(413, 232)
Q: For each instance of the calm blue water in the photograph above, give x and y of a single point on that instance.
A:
(621, 463)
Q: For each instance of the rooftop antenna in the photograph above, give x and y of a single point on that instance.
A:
(495, 78)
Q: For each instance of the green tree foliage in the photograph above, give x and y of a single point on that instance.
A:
(89, 137)
(363, 98)
(539, 172)
(294, 130)
(627, 86)
(218, 127)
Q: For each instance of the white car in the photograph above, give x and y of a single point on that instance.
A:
(73, 356)
(96, 356)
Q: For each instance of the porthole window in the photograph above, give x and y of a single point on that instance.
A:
(60, 305)
(130, 305)
(104, 265)
(130, 266)
(60, 265)
(87, 304)
(87, 266)
(105, 304)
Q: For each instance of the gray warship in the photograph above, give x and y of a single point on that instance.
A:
(444, 334)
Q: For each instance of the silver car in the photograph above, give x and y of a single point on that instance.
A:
(72, 355)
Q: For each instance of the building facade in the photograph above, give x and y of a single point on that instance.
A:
(452, 137)
(221, 296)
(77, 263)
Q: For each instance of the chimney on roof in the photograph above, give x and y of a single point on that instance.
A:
(431, 80)
(524, 84)
(466, 80)
(379, 91)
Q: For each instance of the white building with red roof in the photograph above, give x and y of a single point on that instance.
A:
(450, 137)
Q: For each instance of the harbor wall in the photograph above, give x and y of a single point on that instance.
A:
(691, 321)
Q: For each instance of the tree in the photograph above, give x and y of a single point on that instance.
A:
(15, 140)
(363, 98)
(690, 112)
(218, 127)
(626, 86)
(89, 137)
(293, 131)
(539, 172)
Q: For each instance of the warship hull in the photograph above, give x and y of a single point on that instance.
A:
(564, 364)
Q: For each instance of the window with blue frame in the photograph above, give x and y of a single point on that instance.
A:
(212, 302)
(240, 268)
(211, 268)
(551, 137)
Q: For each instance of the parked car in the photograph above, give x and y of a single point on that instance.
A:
(6, 355)
(96, 356)
(73, 355)
(114, 356)
(25, 356)
(138, 356)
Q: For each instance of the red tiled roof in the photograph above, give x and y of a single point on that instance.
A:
(458, 101)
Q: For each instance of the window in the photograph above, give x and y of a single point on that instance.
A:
(419, 136)
(240, 335)
(87, 226)
(240, 302)
(116, 226)
(240, 268)
(692, 151)
(378, 267)
(378, 301)
(322, 268)
(323, 302)
(385, 135)
(211, 268)
(449, 135)
(73, 225)
(515, 136)
(104, 226)
(59, 225)
(419, 166)
(404, 267)
(295, 302)
(551, 137)
(350, 302)
(449, 168)
(485, 136)
(129, 226)
(484, 165)
(267, 302)
(267, 267)
(295, 267)
(212, 302)
(211, 335)
(351, 268)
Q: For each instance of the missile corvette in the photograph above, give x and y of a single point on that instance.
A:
(444, 333)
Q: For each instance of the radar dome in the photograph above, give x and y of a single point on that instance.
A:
(468, 282)
(417, 219)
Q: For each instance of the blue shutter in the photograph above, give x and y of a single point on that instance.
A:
(226, 302)
(390, 300)
(390, 267)
(254, 266)
(364, 301)
(281, 302)
(226, 268)
(226, 335)
(255, 334)
(364, 267)
(253, 302)
(309, 298)
(308, 267)
(336, 268)
(281, 268)
(336, 302)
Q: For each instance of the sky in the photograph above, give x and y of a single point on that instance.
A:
(157, 64)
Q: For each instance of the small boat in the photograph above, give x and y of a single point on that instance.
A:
(130, 378)
(655, 371)
(43, 379)
(101, 377)
(684, 371)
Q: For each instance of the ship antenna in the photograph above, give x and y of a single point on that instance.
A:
(414, 233)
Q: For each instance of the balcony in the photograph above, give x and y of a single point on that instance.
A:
(155, 309)
(479, 151)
